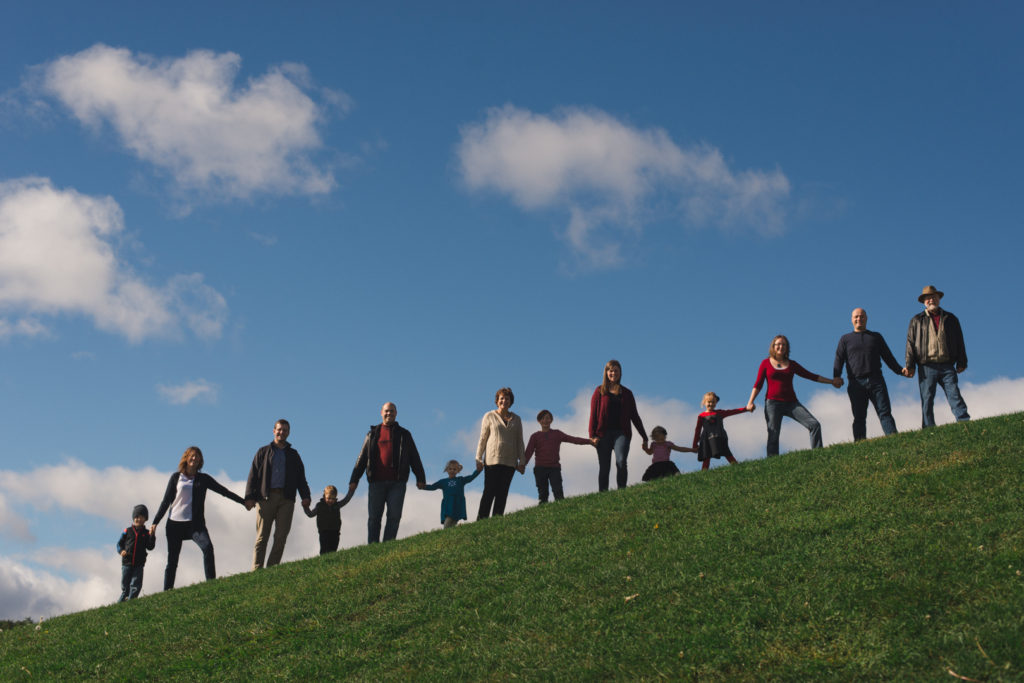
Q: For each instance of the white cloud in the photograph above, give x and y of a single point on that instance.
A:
(44, 581)
(605, 173)
(13, 525)
(58, 255)
(188, 117)
(192, 390)
(25, 327)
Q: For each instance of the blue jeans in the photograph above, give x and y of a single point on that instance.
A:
(774, 411)
(871, 388)
(176, 532)
(131, 581)
(612, 441)
(928, 376)
(390, 494)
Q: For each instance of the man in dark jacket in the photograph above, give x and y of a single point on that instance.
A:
(387, 455)
(277, 473)
(862, 352)
(935, 350)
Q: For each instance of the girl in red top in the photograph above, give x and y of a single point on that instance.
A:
(780, 399)
(715, 442)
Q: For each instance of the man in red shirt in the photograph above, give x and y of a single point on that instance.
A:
(387, 455)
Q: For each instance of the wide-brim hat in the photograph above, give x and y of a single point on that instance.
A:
(929, 291)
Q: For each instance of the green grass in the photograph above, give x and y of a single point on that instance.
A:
(892, 559)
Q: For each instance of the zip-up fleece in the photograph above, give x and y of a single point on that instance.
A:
(136, 541)
(403, 448)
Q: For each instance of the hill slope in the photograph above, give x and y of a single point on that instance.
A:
(897, 558)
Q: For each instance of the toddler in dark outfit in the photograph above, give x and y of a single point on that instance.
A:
(133, 545)
(328, 518)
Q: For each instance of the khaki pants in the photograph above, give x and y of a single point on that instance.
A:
(275, 511)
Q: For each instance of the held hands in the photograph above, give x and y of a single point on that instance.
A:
(960, 368)
(123, 553)
(305, 503)
(907, 372)
(152, 530)
(837, 382)
(594, 441)
(249, 504)
(750, 407)
(479, 465)
(421, 485)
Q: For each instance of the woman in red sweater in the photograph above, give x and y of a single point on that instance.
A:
(612, 411)
(780, 399)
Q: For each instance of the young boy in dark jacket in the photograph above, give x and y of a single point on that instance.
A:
(134, 543)
(328, 518)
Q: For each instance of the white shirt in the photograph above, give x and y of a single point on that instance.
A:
(181, 508)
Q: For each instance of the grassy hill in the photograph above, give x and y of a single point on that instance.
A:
(897, 558)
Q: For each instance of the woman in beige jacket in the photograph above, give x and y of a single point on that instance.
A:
(500, 452)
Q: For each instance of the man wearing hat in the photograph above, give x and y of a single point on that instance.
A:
(935, 349)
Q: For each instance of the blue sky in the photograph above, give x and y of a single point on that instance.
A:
(215, 216)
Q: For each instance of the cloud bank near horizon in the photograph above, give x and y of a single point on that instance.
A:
(45, 578)
(611, 177)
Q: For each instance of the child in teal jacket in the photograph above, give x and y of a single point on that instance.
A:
(453, 505)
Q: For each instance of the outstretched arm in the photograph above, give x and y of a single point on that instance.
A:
(807, 374)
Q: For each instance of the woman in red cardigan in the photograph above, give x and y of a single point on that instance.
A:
(612, 412)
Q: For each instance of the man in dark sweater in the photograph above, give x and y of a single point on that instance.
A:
(862, 352)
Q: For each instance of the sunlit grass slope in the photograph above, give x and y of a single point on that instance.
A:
(895, 559)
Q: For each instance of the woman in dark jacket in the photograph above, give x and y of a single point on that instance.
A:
(612, 412)
(186, 498)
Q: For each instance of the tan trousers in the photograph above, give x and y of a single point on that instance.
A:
(275, 511)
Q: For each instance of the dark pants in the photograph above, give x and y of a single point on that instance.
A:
(545, 476)
(497, 479)
(177, 532)
(131, 581)
(930, 374)
(384, 494)
(329, 541)
(612, 441)
(871, 388)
